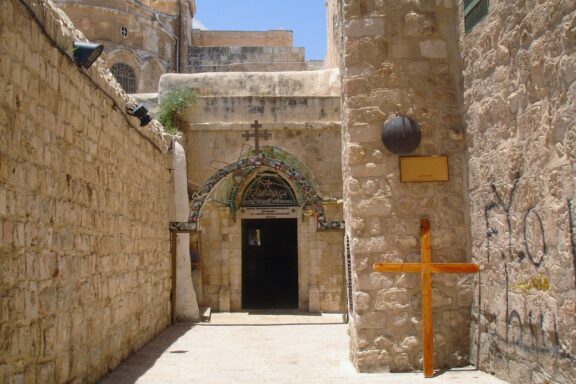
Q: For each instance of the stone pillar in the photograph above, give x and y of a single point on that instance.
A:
(186, 303)
(401, 57)
(333, 35)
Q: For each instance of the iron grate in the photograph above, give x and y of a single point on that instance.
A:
(349, 276)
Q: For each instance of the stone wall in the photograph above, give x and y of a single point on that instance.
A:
(520, 105)
(308, 83)
(147, 47)
(244, 51)
(84, 195)
(399, 57)
(245, 59)
(201, 38)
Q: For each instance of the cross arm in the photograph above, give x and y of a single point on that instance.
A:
(397, 267)
(453, 268)
(425, 267)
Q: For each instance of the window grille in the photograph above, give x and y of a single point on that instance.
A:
(268, 189)
(474, 11)
(124, 74)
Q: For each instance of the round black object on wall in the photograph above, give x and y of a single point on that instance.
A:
(401, 135)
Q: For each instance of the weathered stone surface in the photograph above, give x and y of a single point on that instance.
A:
(85, 199)
(361, 301)
(295, 84)
(391, 300)
(365, 27)
(521, 183)
(148, 47)
(402, 59)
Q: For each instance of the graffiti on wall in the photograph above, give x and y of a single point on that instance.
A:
(572, 235)
(533, 237)
(533, 329)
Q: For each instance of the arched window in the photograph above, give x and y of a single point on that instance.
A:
(124, 74)
(268, 190)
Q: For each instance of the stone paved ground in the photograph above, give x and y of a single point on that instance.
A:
(279, 349)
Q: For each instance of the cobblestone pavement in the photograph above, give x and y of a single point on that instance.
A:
(279, 349)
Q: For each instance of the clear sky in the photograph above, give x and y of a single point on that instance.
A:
(306, 18)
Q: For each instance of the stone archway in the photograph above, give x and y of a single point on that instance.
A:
(217, 218)
(310, 197)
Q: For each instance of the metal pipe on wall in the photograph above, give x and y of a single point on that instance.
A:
(174, 37)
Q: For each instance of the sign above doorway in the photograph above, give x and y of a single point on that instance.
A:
(270, 213)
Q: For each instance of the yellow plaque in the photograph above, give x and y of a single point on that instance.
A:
(423, 168)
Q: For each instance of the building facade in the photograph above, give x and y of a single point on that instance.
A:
(142, 39)
(268, 228)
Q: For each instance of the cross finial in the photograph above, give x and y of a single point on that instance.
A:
(256, 135)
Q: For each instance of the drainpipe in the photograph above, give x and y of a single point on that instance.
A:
(174, 37)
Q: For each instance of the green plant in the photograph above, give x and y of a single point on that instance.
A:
(172, 104)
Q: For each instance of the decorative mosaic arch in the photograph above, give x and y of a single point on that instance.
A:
(311, 197)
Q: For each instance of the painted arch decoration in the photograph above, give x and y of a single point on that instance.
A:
(309, 198)
(268, 189)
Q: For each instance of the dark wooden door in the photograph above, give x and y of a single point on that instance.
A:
(269, 264)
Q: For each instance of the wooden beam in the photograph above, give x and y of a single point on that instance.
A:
(432, 267)
(426, 268)
(401, 267)
(452, 268)
(427, 324)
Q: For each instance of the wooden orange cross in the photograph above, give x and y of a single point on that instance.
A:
(426, 268)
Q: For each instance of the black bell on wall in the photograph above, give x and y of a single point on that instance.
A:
(401, 135)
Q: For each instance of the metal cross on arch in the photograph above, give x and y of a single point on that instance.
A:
(256, 135)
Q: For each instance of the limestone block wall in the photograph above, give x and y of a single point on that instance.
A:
(211, 145)
(308, 83)
(244, 51)
(104, 22)
(201, 38)
(273, 110)
(245, 59)
(401, 57)
(145, 45)
(520, 104)
(84, 204)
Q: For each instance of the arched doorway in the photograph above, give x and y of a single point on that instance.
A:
(272, 197)
(269, 244)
